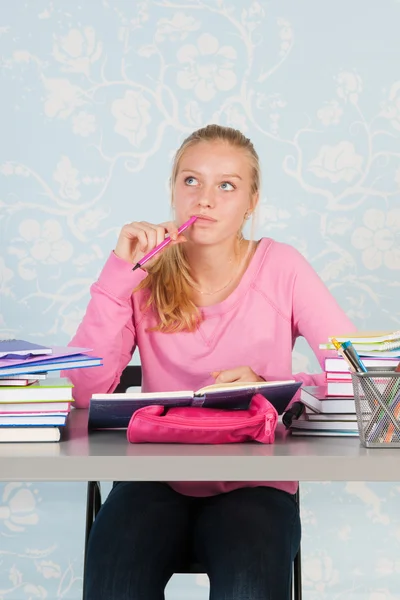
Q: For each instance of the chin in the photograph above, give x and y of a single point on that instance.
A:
(202, 236)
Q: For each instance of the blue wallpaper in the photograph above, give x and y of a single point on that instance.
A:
(95, 98)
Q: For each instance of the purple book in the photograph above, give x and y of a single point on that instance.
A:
(57, 353)
(21, 349)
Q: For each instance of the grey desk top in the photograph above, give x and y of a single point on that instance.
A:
(107, 456)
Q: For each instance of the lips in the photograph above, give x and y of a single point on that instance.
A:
(205, 218)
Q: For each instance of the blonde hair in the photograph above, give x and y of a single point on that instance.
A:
(169, 282)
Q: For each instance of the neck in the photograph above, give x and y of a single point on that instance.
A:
(212, 266)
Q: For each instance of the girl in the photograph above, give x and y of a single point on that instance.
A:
(213, 307)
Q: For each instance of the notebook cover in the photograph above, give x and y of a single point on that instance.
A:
(109, 413)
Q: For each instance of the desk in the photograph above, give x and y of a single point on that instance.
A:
(107, 456)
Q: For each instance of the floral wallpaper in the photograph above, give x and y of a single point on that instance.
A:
(95, 98)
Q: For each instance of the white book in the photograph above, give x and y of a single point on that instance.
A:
(34, 407)
(315, 398)
(29, 434)
(340, 388)
(39, 420)
(324, 425)
(16, 382)
(330, 417)
(49, 389)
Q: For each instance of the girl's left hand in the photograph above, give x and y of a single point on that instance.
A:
(244, 374)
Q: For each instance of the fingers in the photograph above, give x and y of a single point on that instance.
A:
(245, 374)
(140, 237)
(228, 376)
(156, 233)
(133, 231)
(147, 234)
(152, 232)
(171, 229)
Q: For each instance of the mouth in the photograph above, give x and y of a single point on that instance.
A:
(205, 218)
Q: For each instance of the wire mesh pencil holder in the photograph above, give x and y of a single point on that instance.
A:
(377, 401)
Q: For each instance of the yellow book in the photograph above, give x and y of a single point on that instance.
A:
(368, 341)
(369, 337)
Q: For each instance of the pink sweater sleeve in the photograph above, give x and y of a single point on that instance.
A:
(316, 315)
(108, 328)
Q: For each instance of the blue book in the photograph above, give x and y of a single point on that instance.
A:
(62, 357)
(21, 349)
(33, 420)
(58, 364)
(114, 411)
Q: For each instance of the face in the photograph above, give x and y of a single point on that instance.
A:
(214, 182)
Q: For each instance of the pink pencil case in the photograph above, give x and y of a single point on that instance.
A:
(196, 425)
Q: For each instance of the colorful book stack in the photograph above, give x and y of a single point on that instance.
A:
(330, 409)
(35, 412)
(32, 407)
(376, 349)
(325, 415)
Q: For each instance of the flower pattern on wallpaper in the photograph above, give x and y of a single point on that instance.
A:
(330, 113)
(83, 124)
(391, 106)
(62, 97)
(18, 509)
(337, 163)
(77, 50)
(67, 176)
(175, 28)
(379, 239)
(208, 67)
(39, 243)
(349, 86)
(132, 116)
(32, 570)
(95, 102)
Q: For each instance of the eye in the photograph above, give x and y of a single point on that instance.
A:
(228, 187)
(191, 181)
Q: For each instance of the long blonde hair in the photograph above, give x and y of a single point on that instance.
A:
(169, 282)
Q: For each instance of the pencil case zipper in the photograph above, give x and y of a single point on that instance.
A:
(206, 424)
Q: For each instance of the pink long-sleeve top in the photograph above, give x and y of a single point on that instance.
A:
(279, 298)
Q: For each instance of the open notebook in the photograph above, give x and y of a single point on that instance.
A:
(110, 411)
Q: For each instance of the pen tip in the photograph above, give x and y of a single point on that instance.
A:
(335, 343)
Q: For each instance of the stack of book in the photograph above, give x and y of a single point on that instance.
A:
(32, 406)
(35, 412)
(325, 415)
(330, 409)
(376, 349)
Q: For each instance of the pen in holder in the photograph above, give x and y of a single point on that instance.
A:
(377, 402)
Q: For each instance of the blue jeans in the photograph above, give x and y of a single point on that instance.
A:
(246, 541)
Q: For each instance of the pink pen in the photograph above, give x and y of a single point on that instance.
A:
(167, 240)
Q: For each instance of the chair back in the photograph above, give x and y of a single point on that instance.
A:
(131, 377)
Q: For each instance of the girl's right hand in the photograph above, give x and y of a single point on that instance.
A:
(138, 238)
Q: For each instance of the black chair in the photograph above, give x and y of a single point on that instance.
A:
(132, 376)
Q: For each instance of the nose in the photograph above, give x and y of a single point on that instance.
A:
(206, 198)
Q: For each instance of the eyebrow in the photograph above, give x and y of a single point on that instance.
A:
(230, 175)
